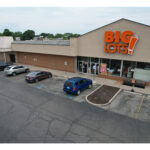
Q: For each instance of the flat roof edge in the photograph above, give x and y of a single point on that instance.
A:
(42, 44)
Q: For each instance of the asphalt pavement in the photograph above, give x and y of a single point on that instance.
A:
(31, 115)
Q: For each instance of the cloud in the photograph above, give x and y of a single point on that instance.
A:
(61, 19)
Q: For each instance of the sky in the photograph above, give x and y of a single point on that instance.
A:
(67, 19)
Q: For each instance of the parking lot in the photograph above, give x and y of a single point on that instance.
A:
(134, 105)
(42, 112)
(52, 85)
(131, 104)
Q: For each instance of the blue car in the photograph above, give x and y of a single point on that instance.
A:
(77, 84)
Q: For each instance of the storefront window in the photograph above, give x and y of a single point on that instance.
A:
(115, 67)
(128, 68)
(79, 66)
(96, 60)
(112, 68)
(88, 65)
(83, 58)
(95, 66)
(106, 61)
(83, 64)
(85, 67)
(143, 65)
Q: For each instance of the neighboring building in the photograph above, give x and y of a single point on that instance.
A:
(5, 48)
(102, 52)
(40, 38)
(18, 38)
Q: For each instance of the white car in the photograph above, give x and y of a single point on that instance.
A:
(15, 69)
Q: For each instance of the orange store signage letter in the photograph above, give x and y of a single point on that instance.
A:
(120, 42)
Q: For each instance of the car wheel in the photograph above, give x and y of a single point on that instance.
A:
(78, 92)
(90, 86)
(14, 73)
(49, 76)
(27, 70)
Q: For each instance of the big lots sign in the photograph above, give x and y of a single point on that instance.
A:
(117, 42)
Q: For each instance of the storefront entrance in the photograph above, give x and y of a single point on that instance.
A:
(95, 68)
(114, 68)
(83, 67)
(86, 66)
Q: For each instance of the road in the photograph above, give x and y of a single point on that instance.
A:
(30, 115)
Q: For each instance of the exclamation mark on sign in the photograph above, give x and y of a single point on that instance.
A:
(132, 43)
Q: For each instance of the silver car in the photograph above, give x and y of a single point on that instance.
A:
(15, 69)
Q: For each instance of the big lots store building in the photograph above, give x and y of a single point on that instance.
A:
(118, 50)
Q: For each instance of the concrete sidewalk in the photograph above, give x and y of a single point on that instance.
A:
(94, 78)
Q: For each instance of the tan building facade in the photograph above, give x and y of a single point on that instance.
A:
(5, 47)
(88, 54)
(92, 43)
(57, 54)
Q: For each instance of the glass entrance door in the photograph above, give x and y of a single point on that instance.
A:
(87, 66)
(80, 66)
(83, 66)
(95, 68)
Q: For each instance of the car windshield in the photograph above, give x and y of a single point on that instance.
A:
(32, 74)
(67, 83)
(7, 68)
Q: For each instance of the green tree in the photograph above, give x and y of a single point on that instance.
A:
(44, 34)
(28, 35)
(59, 35)
(50, 36)
(7, 32)
(67, 36)
(76, 35)
(17, 34)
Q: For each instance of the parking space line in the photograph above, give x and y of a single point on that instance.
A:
(132, 92)
(139, 109)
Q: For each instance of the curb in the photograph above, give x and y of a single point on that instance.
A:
(133, 92)
(105, 103)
